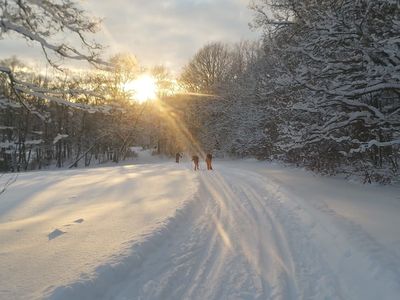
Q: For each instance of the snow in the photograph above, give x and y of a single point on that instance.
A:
(61, 225)
(6, 103)
(59, 137)
(248, 230)
(6, 144)
(34, 142)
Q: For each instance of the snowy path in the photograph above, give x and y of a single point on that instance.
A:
(251, 232)
(221, 251)
(247, 237)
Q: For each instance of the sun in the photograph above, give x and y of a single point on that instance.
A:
(143, 88)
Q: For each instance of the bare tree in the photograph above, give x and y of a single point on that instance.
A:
(43, 109)
(208, 68)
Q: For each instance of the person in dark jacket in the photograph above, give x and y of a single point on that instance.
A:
(178, 156)
(195, 160)
(208, 161)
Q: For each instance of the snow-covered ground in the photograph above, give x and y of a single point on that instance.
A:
(247, 230)
(58, 227)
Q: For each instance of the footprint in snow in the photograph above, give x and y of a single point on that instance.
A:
(78, 221)
(55, 233)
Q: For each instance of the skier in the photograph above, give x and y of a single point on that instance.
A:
(208, 161)
(195, 160)
(177, 157)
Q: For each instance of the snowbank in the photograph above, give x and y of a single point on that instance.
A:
(57, 228)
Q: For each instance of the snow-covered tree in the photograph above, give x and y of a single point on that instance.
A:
(208, 69)
(339, 71)
(42, 22)
(60, 28)
(226, 115)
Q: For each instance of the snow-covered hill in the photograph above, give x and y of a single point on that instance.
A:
(58, 227)
(161, 231)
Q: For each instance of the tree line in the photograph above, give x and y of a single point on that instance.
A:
(60, 117)
(321, 89)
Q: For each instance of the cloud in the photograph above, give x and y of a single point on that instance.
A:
(167, 31)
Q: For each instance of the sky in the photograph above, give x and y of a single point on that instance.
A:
(167, 32)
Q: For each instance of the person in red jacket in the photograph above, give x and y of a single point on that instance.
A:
(195, 160)
(208, 161)
(177, 157)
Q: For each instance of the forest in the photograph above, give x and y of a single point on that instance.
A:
(320, 90)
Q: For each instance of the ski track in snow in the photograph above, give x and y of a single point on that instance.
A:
(244, 236)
